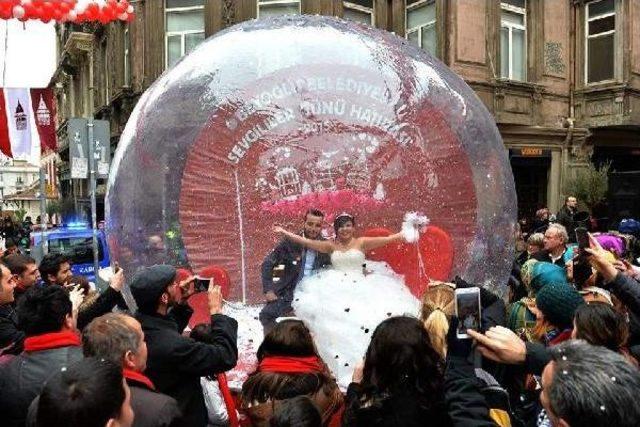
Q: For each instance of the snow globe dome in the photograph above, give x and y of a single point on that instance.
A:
(272, 117)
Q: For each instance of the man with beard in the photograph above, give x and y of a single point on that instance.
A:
(175, 363)
(285, 266)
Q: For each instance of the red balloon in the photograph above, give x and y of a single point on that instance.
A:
(6, 12)
(110, 12)
(47, 9)
(90, 14)
(37, 12)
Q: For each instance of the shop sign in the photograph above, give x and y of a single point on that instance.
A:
(529, 152)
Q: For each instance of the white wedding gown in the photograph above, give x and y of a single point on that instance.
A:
(341, 306)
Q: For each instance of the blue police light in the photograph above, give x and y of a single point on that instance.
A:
(76, 225)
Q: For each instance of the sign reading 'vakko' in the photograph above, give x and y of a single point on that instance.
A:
(530, 152)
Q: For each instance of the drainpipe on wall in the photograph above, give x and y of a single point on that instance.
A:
(569, 122)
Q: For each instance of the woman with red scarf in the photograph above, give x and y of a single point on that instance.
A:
(289, 366)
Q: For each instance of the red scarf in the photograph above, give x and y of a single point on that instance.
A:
(561, 337)
(52, 340)
(290, 365)
(138, 377)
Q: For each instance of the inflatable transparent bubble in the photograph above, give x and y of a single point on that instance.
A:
(273, 117)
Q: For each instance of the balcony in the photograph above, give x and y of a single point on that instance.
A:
(612, 104)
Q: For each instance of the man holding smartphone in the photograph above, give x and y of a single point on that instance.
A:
(175, 363)
(285, 266)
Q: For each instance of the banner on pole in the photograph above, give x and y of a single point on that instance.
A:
(19, 117)
(102, 137)
(44, 106)
(27, 123)
(78, 148)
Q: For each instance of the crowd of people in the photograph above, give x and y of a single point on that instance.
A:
(562, 351)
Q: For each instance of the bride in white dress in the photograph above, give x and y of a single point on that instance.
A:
(342, 305)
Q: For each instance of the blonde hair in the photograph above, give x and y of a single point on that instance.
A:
(438, 305)
(536, 239)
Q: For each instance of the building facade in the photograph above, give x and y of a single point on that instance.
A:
(19, 182)
(561, 77)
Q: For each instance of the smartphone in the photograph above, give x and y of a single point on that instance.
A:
(582, 237)
(201, 284)
(581, 267)
(467, 310)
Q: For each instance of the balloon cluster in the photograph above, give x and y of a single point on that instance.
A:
(77, 11)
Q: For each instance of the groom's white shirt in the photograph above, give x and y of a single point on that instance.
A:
(309, 259)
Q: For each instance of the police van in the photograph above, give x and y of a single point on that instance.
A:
(75, 241)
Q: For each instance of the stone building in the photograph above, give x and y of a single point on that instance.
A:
(561, 77)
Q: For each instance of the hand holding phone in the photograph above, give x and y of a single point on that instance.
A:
(201, 284)
(468, 310)
(581, 267)
(582, 237)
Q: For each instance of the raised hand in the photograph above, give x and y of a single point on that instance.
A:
(214, 299)
(600, 261)
(117, 280)
(76, 296)
(501, 345)
(279, 231)
(187, 288)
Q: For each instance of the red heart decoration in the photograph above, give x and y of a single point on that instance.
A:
(436, 250)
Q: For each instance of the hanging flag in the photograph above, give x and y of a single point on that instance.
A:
(19, 116)
(5, 143)
(44, 105)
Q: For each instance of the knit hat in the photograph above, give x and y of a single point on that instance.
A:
(537, 274)
(148, 285)
(558, 303)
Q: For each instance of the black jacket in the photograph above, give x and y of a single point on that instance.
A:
(11, 338)
(291, 256)
(627, 290)
(175, 363)
(104, 304)
(565, 217)
(402, 410)
(465, 403)
(22, 379)
(153, 409)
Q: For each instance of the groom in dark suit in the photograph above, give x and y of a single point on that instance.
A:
(285, 266)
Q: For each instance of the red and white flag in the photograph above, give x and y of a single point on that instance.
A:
(19, 117)
(27, 123)
(44, 109)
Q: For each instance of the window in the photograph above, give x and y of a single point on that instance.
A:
(513, 40)
(358, 11)
(184, 23)
(420, 24)
(600, 34)
(267, 8)
(127, 57)
(78, 249)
